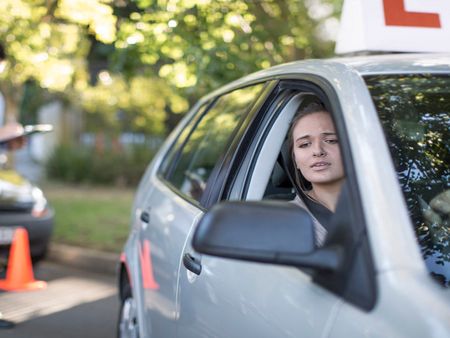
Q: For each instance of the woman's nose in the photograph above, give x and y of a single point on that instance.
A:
(318, 150)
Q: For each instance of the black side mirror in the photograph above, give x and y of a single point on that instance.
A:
(264, 231)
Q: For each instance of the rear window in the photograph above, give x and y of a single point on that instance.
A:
(207, 143)
(414, 112)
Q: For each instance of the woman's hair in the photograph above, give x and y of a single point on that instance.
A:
(314, 107)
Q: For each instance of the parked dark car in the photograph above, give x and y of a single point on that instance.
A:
(23, 204)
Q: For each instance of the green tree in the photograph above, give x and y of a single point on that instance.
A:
(138, 65)
(47, 41)
(198, 45)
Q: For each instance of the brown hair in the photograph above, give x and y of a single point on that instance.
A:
(311, 108)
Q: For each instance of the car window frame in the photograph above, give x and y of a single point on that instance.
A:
(221, 172)
(325, 91)
(193, 123)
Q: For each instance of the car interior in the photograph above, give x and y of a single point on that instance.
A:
(281, 184)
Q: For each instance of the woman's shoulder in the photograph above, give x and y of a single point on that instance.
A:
(298, 201)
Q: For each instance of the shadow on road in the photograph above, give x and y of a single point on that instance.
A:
(92, 320)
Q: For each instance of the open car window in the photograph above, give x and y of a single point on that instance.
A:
(345, 228)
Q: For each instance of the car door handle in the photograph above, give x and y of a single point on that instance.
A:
(192, 264)
(145, 217)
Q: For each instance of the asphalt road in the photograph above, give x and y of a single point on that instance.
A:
(74, 304)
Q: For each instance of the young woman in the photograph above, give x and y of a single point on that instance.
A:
(317, 159)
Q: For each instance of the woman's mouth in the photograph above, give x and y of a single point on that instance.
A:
(320, 165)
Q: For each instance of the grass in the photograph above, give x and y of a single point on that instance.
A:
(91, 217)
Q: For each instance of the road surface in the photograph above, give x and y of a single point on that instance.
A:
(74, 304)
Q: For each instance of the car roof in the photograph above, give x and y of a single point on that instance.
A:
(397, 63)
(376, 64)
(401, 63)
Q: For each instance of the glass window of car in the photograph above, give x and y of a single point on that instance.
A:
(208, 142)
(172, 155)
(415, 114)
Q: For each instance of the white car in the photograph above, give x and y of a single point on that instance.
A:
(210, 254)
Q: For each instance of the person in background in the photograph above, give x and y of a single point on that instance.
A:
(12, 136)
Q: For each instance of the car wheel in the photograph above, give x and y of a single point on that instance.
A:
(128, 326)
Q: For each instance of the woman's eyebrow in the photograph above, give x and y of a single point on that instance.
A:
(302, 138)
(327, 133)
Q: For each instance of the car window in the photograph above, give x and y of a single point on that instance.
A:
(209, 139)
(415, 113)
(171, 157)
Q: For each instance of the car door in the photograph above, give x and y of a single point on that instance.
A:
(156, 255)
(232, 298)
(175, 201)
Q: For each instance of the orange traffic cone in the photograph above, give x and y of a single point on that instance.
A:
(19, 275)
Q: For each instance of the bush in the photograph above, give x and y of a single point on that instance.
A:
(84, 165)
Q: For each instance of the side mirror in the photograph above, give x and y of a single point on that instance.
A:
(265, 231)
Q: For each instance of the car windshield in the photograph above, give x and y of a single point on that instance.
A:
(414, 112)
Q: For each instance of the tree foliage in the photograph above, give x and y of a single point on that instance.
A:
(47, 41)
(197, 45)
(153, 58)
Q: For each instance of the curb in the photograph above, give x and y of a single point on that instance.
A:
(83, 258)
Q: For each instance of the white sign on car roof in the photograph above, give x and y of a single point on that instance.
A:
(394, 26)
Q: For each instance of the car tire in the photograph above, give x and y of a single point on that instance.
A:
(127, 326)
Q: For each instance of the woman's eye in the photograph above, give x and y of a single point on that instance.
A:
(332, 141)
(303, 145)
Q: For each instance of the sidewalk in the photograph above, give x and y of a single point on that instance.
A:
(83, 258)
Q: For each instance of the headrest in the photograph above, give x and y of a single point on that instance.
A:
(283, 170)
(289, 168)
(307, 99)
(279, 177)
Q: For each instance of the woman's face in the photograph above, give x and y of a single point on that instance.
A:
(316, 149)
